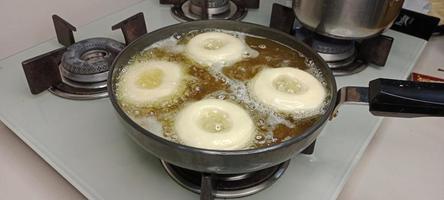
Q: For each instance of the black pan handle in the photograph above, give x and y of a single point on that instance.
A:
(397, 98)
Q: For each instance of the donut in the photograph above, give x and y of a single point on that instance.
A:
(145, 83)
(288, 90)
(215, 48)
(215, 124)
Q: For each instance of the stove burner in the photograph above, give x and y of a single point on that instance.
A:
(332, 50)
(88, 61)
(227, 185)
(348, 66)
(80, 69)
(340, 55)
(84, 68)
(78, 91)
(344, 57)
(216, 9)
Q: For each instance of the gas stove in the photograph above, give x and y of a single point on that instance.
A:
(86, 143)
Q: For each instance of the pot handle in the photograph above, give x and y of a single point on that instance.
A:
(396, 98)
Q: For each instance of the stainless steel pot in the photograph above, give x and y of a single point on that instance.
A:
(386, 97)
(347, 19)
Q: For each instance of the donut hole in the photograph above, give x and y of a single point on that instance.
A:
(289, 85)
(213, 44)
(214, 120)
(150, 79)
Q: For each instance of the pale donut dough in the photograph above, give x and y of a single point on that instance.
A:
(215, 124)
(288, 90)
(212, 48)
(149, 82)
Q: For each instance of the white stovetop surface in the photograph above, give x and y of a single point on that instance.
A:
(403, 161)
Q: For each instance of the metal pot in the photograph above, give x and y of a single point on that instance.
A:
(347, 19)
(387, 97)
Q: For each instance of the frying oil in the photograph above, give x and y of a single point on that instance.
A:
(225, 82)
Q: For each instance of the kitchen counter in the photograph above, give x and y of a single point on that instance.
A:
(403, 161)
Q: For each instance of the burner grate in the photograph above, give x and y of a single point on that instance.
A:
(225, 185)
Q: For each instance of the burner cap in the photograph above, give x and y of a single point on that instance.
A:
(228, 185)
(89, 60)
(217, 9)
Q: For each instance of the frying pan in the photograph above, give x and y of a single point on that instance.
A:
(385, 97)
